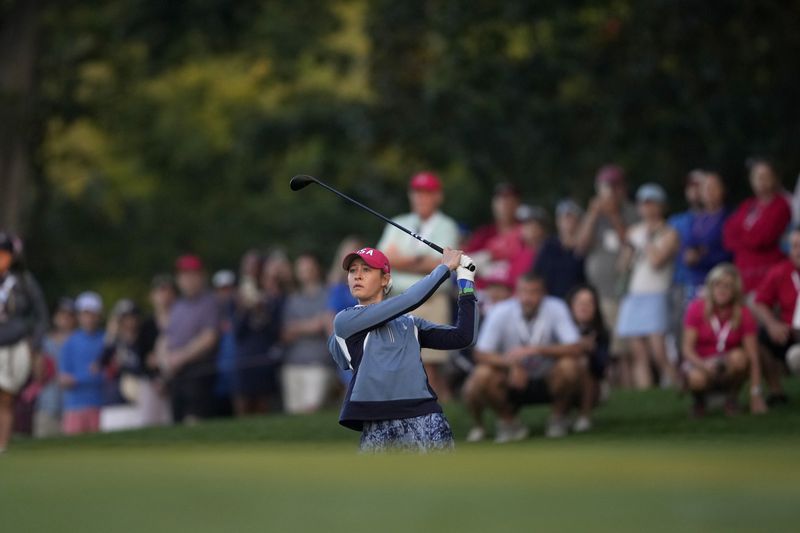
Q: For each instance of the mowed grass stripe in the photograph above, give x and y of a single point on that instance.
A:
(304, 489)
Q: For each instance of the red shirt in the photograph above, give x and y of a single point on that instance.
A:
(779, 290)
(753, 233)
(502, 247)
(715, 335)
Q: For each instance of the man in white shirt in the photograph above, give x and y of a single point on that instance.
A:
(412, 260)
(528, 351)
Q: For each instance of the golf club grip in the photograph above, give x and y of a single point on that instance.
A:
(385, 219)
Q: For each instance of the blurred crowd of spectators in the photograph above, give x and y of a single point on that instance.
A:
(573, 300)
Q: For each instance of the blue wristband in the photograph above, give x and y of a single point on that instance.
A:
(465, 286)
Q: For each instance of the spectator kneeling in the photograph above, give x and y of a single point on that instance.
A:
(584, 304)
(720, 343)
(528, 352)
(777, 309)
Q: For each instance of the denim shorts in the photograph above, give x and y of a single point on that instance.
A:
(421, 434)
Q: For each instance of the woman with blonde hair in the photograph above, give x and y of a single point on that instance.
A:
(720, 344)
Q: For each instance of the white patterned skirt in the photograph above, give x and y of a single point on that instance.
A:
(421, 434)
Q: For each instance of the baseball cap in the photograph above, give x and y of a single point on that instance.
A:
(89, 301)
(651, 192)
(695, 176)
(506, 189)
(610, 174)
(223, 278)
(188, 263)
(425, 181)
(532, 213)
(66, 304)
(371, 256)
(568, 206)
(125, 307)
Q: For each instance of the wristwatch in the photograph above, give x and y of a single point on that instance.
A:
(755, 390)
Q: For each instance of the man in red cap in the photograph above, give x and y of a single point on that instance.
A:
(412, 260)
(189, 342)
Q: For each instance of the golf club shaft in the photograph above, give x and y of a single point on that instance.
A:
(385, 219)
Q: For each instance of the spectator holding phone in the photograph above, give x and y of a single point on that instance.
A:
(603, 231)
(720, 346)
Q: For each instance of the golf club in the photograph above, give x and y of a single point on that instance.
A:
(301, 181)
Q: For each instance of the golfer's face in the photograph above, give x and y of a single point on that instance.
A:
(363, 280)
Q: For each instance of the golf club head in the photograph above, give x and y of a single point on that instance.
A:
(301, 181)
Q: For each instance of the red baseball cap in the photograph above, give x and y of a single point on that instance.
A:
(188, 263)
(611, 174)
(371, 256)
(425, 181)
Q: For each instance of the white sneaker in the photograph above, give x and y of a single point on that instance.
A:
(476, 434)
(582, 424)
(556, 428)
(511, 431)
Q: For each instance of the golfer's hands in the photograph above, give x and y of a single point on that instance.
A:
(451, 258)
(463, 271)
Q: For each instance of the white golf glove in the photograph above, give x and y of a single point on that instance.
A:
(462, 272)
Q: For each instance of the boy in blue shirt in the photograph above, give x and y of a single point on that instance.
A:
(80, 376)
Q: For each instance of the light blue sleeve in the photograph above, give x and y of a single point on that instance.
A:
(338, 353)
(356, 319)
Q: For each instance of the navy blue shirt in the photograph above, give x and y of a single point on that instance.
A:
(561, 268)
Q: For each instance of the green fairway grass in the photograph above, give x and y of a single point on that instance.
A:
(646, 467)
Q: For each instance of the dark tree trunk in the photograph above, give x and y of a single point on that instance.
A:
(18, 40)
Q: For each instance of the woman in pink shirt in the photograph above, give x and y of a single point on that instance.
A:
(754, 231)
(720, 344)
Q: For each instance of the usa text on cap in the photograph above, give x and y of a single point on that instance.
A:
(371, 256)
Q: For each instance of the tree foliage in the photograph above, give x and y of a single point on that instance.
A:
(166, 127)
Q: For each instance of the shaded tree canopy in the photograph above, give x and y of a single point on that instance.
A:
(163, 127)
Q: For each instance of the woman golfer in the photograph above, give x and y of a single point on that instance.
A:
(389, 399)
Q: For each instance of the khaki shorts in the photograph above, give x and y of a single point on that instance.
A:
(15, 366)
(436, 310)
(306, 387)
